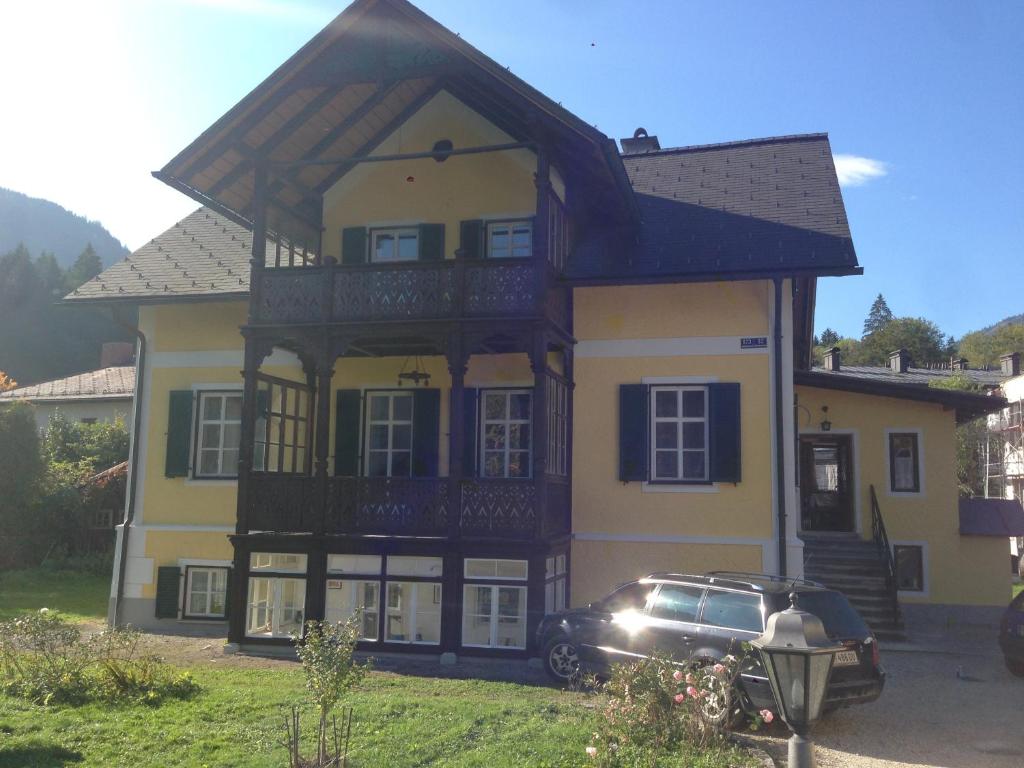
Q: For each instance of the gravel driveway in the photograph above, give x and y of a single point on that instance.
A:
(927, 716)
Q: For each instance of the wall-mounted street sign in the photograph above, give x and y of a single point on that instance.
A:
(754, 342)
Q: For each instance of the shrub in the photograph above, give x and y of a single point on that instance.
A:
(654, 705)
(48, 661)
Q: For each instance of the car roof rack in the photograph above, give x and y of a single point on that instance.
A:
(705, 578)
(768, 577)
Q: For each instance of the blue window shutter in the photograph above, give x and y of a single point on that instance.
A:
(724, 430)
(633, 429)
(179, 433)
(168, 587)
(431, 242)
(471, 431)
(353, 245)
(348, 404)
(471, 238)
(426, 431)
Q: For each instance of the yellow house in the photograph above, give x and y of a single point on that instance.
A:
(437, 349)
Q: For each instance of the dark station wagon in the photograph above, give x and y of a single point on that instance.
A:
(701, 619)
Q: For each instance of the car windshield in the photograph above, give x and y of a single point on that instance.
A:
(836, 613)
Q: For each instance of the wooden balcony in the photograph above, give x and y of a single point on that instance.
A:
(424, 507)
(412, 291)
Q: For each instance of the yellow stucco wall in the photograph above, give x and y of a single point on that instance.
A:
(482, 186)
(962, 570)
(198, 326)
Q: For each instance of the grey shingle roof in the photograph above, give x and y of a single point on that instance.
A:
(922, 376)
(748, 206)
(203, 255)
(104, 384)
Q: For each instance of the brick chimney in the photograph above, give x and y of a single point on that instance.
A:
(899, 361)
(116, 353)
(832, 361)
(1010, 364)
(958, 363)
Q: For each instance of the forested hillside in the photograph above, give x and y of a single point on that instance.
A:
(40, 226)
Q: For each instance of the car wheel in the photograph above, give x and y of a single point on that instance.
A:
(560, 659)
(717, 700)
(1015, 667)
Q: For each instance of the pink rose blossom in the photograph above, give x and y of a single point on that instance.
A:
(592, 751)
(766, 715)
(691, 692)
(680, 698)
(690, 680)
(718, 669)
(677, 675)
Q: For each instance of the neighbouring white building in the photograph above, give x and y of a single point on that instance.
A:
(1004, 477)
(93, 396)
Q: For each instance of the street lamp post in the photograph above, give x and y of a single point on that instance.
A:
(797, 656)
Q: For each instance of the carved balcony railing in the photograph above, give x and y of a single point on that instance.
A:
(391, 506)
(431, 290)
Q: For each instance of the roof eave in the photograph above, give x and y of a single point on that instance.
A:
(708, 277)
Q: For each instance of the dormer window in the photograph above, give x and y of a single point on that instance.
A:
(395, 245)
(510, 239)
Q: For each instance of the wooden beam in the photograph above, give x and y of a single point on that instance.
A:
(412, 108)
(409, 155)
(281, 134)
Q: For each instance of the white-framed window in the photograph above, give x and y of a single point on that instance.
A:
(488, 568)
(218, 431)
(389, 434)
(205, 592)
(679, 433)
(412, 613)
(910, 567)
(505, 433)
(354, 564)
(510, 239)
(276, 606)
(494, 616)
(398, 244)
(555, 575)
(346, 596)
(403, 565)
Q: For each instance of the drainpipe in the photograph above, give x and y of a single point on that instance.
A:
(780, 438)
(140, 373)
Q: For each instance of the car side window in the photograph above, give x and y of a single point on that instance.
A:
(733, 610)
(629, 597)
(676, 602)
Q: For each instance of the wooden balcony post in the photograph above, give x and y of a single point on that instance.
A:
(259, 238)
(539, 364)
(457, 364)
(324, 375)
(255, 351)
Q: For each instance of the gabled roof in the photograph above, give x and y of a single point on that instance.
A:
(203, 256)
(116, 383)
(968, 405)
(882, 373)
(346, 90)
(741, 208)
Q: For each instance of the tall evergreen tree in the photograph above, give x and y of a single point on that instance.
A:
(829, 338)
(879, 316)
(51, 276)
(86, 267)
(19, 282)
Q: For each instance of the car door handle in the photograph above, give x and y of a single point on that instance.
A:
(687, 638)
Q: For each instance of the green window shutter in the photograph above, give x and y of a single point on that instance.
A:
(426, 431)
(633, 431)
(431, 242)
(724, 431)
(179, 433)
(348, 404)
(471, 430)
(471, 238)
(353, 245)
(168, 588)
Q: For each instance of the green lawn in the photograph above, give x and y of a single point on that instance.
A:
(79, 596)
(1017, 589)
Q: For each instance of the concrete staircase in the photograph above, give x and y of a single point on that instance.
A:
(853, 566)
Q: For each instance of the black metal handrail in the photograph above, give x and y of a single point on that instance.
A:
(881, 538)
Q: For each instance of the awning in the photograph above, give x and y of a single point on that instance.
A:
(991, 517)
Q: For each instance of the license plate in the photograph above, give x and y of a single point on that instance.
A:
(846, 659)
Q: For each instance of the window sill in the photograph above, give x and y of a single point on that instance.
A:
(211, 480)
(202, 619)
(678, 487)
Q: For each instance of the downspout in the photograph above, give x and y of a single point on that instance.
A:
(780, 439)
(129, 515)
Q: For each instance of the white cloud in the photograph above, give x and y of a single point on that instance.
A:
(855, 171)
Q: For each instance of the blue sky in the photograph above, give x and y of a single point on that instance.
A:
(926, 99)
